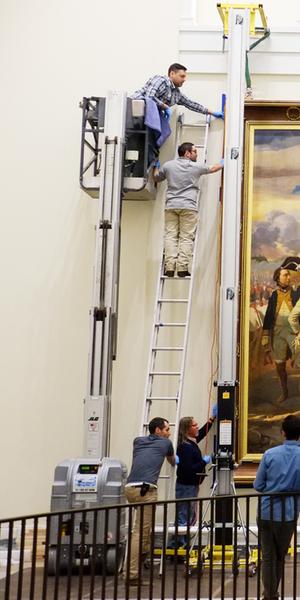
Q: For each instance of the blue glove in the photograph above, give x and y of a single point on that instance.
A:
(157, 164)
(167, 113)
(222, 162)
(215, 410)
(207, 458)
(177, 461)
(219, 114)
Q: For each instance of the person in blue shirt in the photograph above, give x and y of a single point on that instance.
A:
(279, 471)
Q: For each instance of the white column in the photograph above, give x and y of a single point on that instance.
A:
(229, 297)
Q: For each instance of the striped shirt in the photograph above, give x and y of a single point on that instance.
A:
(163, 91)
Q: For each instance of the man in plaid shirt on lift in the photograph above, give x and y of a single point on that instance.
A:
(165, 91)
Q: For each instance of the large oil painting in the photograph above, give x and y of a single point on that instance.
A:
(270, 286)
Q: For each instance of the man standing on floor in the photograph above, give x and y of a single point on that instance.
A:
(279, 471)
(149, 453)
(181, 210)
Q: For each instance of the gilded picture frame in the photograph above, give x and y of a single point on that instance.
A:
(270, 236)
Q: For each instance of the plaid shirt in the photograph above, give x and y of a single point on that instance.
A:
(163, 91)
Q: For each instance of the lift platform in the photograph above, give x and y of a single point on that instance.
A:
(136, 184)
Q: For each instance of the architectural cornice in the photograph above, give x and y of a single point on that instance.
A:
(205, 51)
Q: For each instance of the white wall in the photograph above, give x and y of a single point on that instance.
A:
(52, 54)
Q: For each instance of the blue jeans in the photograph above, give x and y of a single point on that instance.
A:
(185, 509)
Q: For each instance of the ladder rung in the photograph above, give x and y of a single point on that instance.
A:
(161, 398)
(170, 324)
(165, 373)
(147, 424)
(174, 300)
(169, 348)
(193, 125)
(176, 277)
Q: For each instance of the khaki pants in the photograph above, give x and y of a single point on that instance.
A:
(133, 495)
(180, 229)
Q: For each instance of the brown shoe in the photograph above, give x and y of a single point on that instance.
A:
(183, 274)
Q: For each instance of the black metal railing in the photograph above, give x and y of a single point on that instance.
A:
(82, 553)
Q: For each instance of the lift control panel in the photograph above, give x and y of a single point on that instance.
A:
(86, 478)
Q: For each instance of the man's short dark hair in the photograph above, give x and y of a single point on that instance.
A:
(277, 272)
(185, 147)
(157, 422)
(176, 67)
(291, 427)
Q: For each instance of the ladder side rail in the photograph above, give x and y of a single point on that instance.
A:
(171, 476)
(159, 300)
(190, 295)
(171, 472)
(205, 143)
(188, 319)
(153, 353)
(187, 326)
(156, 330)
(178, 132)
(154, 335)
(183, 360)
(181, 125)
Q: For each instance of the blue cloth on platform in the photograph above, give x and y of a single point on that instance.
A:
(155, 120)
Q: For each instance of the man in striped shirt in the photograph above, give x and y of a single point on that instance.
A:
(165, 91)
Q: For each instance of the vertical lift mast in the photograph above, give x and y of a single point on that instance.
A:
(103, 314)
(114, 157)
(239, 21)
(229, 293)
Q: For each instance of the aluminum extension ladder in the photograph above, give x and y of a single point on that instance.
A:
(169, 340)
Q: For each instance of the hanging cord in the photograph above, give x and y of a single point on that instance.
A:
(247, 73)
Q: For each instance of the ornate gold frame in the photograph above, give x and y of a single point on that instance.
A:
(251, 126)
